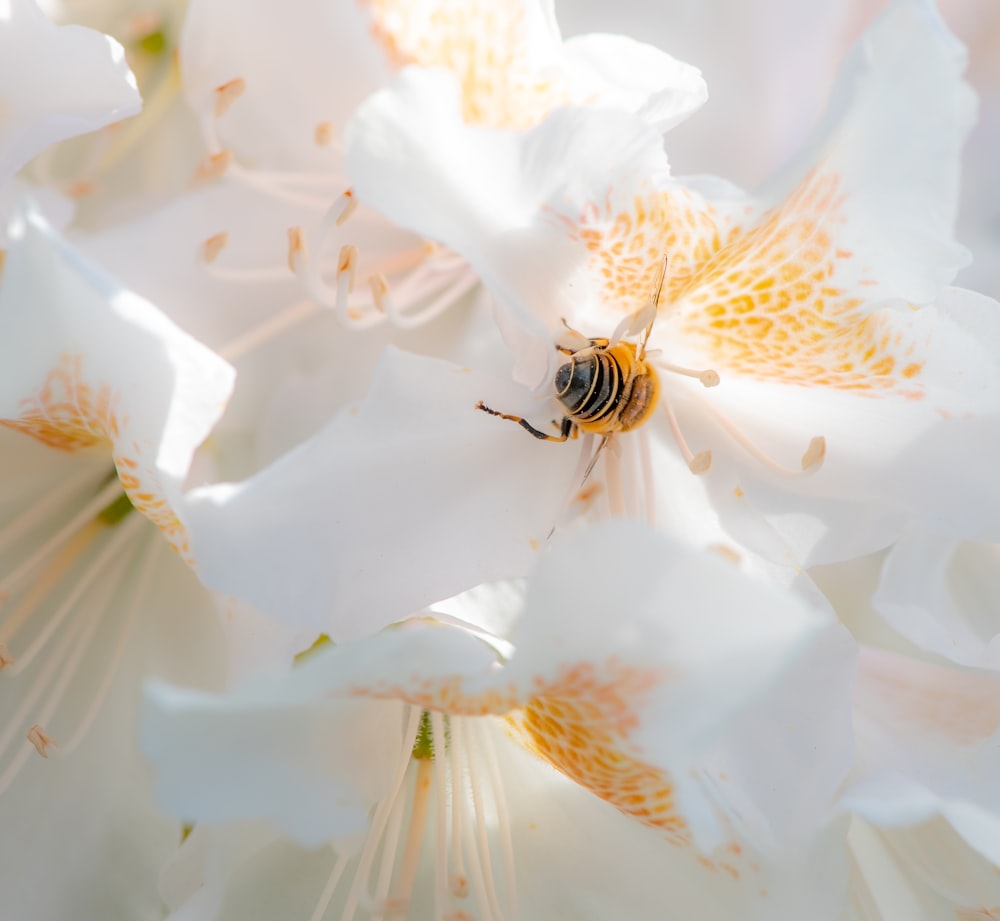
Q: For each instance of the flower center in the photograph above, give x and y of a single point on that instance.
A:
(446, 799)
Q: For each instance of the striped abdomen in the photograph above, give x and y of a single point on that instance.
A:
(606, 389)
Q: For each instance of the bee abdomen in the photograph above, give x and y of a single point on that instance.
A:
(641, 401)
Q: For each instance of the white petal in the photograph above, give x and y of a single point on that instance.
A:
(618, 72)
(55, 82)
(926, 746)
(333, 760)
(405, 474)
(941, 593)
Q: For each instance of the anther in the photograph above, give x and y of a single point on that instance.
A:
(344, 206)
(697, 463)
(700, 463)
(227, 94)
(380, 291)
(41, 740)
(323, 134)
(213, 166)
(815, 454)
(458, 883)
(5, 656)
(297, 255)
(211, 248)
(82, 188)
(347, 263)
(726, 553)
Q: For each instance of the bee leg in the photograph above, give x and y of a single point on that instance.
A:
(594, 459)
(564, 432)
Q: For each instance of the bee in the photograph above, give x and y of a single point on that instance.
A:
(607, 385)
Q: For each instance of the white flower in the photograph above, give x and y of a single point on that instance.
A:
(806, 307)
(102, 405)
(297, 367)
(425, 752)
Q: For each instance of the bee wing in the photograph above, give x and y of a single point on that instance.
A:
(635, 323)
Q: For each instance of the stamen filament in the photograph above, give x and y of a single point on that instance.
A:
(440, 816)
(697, 463)
(72, 647)
(110, 670)
(377, 904)
(109, 552)
(481, 833)
(648, 480)
(812, 459)
(476, 837)
(415, 833)
(272, 327)
(707, 378)
(14, 530)
(613, 478)
(380, 820)
(51, 575)
(326, 897)
(88, 513)
(503, 820)
(458, 880)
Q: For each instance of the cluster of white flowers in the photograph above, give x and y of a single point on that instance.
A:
(291, 629)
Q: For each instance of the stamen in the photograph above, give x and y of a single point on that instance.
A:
(380, 820)
(815, 453)
(485, 897)
(503, 821)
(211, 248)
(458, 880)
(87, 514)
(298, 257)
(697, 463)
(457, 289)
(648, 480)
(707, 378)
(415, 833)
(49, 577)
(5, 657)
(109, 552)
(812, 459)
(272, 327)
(213, 166)
(440, 816)
(378, 904)
(110, 670)
(227, 94)
(339, 866)
(41, 740)
(344, 207)
(323, 134)
(347, 265)
(380, 291)
(64, 662)
(613, 478)
(80, 188)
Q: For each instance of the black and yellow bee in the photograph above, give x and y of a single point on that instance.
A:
(605, 387)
